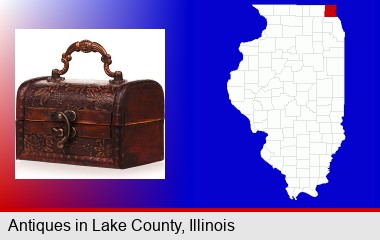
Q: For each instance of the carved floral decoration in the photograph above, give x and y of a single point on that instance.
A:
(101, 148)
(92, 96)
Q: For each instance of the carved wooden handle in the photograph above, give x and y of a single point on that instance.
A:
(86, 46)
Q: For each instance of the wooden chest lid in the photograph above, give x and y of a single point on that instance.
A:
(95, 102)
(92, 100)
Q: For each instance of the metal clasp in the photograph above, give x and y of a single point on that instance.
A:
(67, 131)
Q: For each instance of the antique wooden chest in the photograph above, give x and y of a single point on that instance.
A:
(116, 124)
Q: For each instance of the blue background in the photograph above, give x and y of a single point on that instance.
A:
(229, 169)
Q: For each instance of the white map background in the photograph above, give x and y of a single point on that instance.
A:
(290, 85)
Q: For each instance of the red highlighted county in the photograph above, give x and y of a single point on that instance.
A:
(330, 11)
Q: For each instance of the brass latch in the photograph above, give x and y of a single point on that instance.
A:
(67, 131)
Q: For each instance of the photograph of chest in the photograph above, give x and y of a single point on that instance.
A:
(114, 124)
